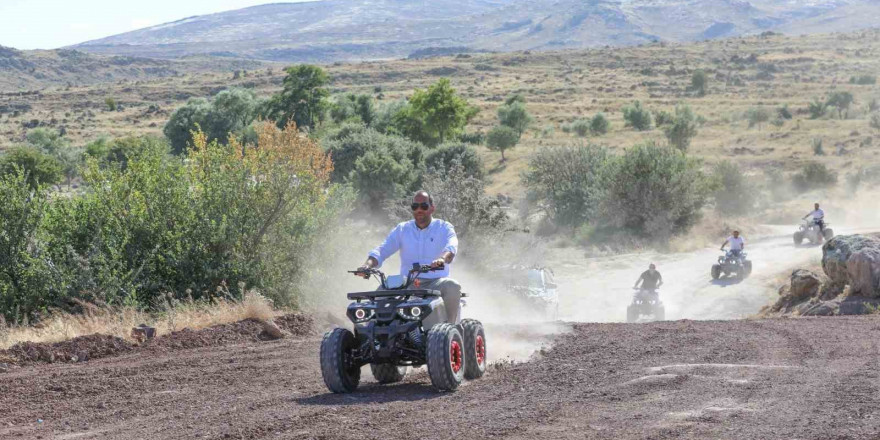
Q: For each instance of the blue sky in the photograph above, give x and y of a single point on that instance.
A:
(49, 24)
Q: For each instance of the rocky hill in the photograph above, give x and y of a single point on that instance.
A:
(25, 70)
(330, 30)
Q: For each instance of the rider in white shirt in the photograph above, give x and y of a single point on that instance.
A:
(818, 217)
(737, 243)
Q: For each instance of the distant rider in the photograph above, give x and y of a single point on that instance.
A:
(424, 240)
(650, 279)
(737, 244)
(818, 217)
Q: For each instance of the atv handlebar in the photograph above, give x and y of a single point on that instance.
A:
(411, 276)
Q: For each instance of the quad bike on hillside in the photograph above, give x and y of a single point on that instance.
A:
(810, 230)
(732, 263)
(646, 302)
(539, 292)
(402, 326)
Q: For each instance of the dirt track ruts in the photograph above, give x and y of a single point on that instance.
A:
(796, 378)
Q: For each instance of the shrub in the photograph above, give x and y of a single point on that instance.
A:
(111, 104)
(46, 139)
(444, 158)
(783, 112)
(38, 167)
(230, 112)
(683, 128)
(599, 125)
(502, 138)
(475, 138)
(875, 121)
(515, 98)
(568, 182)
(637, 117)
(381, 175)
(873, 105)
(813, 175)
(581, 127)
(351, 106)
(757, 116)
(817, 108)
(355, 141)
(734, 195)
(655, 192)
(699, 82)
(515, 116)
(841, 101)
(817, 147)
(663, 117)
(863, 80)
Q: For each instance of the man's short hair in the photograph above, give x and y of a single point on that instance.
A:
(426, 194)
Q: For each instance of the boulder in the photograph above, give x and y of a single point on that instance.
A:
(824, 308)
(853, 260)
(804, 284)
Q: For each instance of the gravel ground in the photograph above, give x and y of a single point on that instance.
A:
(752, 379)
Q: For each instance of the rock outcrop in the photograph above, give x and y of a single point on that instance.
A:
(854, 261)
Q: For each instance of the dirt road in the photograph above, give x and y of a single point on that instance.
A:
(805, 379)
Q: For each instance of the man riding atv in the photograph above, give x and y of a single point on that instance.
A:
(818, 217)
(650, 279)
(737, 244)
(646, 301)
(424, 240)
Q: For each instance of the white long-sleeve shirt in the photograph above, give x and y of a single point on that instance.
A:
(817, 214)
(421, 246)
(736, 243)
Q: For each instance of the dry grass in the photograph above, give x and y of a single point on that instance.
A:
(118, 321)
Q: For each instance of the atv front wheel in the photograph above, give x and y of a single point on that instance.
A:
(747, 268)
(798, 238)
(474, 349)
(341, 374)
(388, 373)
(446, 359)
(716, 271)
(828, 233)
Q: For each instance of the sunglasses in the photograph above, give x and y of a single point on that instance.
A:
(422, 205)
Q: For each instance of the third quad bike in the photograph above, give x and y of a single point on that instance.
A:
(646, 302)
(732, 263)
(810, 230)
(539, 292)
(402, 326)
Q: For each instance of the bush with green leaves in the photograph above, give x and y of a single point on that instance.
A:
(515, 116)
(700, 82)
(734, 194)
(303, 98)
(813, 175)
(502, 138)
(354, 141)
(757, 116)
(230, 112)
(637, 116)
(817, 146)
(568, 182)
(863, 80)
(842, 102)
(351, 106)
(580, 127)
(874, 121)
(663, 117)
(111, 104)
(817, 108)
(47, 139)
(38, 167)
(599, 124)
(655, 192)
(434, 115)
(783, 112)
(683, 128)
(445, 157)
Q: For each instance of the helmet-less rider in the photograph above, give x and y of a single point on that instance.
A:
(424, 240)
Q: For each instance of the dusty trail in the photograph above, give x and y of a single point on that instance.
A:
(600, 290)
(769, 379)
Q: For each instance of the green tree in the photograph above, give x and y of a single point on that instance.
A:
(231, 112)
(599, 124)
(841, 101)
(70, 158)
(502, 138)
(515, 116)
(191, 117)
(434, 115)
(683, 128)
(734, 195)
(303, 98)
(445, 157)
(637, 117)
(700, 82)
(47, 139)
(655, 192)
(382, 175)
(38, 167)
(813, 175)
(350, 106)
(757, 116)
(817, 108)
(354, 142)
(568, 182)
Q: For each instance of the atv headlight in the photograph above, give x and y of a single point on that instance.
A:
(361, 314)
(413, 313)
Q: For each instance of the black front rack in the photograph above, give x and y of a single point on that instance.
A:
(421, 293)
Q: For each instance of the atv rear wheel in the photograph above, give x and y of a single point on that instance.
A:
(341, 374)
(716, 271)
(828, 233)
(388, 373)
(474, 349)
(446, 360)
(798, 238)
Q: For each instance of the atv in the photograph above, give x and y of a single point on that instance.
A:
(810, 230)
(538, 292)
(646, 302)
(398, 327)
(732, 263)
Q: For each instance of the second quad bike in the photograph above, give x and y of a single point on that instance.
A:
(401, 326)
(539, 292)
(810, 230)
(732, 263)
(646, 302)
